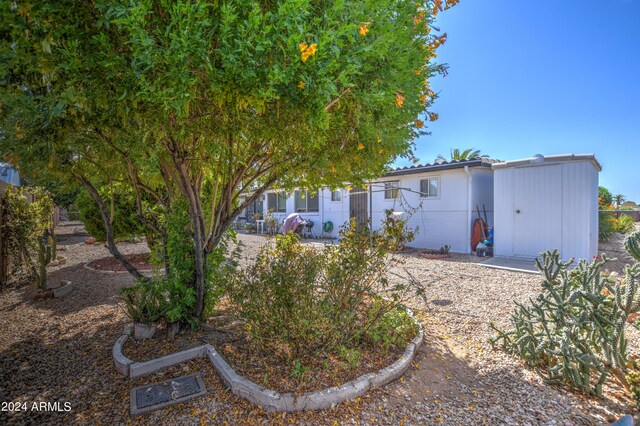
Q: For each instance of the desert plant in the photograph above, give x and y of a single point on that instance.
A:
(633, 378)
(606, 225)
(44, 258)
(297, 299)
(632, 245)
(624, 224)
(574, 331)
(144, 303)
(445, 249)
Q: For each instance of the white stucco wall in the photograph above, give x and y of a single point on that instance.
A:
(440, 221)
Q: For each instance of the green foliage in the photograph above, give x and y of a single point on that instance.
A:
(574, 331)
(298, 371)
(28, 232)
(625, 224)
(632, 245)
(389, 327)
(457, 155)
(145, 302)
(207, 100)
(296, 299)
(126, 224)
(351, 356)
(633, 378)
(271, 222)
(44, 258)
(606, 225)
(604, 196)
(619, 199)
(395, 229)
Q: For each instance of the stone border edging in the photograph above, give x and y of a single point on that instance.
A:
(267, 399)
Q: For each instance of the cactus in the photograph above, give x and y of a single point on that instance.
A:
(632, 245)
(44, 258)
(574, 331)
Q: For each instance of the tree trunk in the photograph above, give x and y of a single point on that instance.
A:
(113, 249)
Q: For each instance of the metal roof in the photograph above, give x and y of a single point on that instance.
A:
(445, 165)
(541, 159)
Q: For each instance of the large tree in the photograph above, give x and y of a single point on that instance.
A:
(203, 101)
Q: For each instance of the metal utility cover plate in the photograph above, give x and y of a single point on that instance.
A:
(153, 397)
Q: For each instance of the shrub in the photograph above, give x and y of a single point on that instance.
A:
(574, 331)
(159, 299)
(28, 232)
(145, 302)
(297, 300)
(608, 224)
(126, 224)
(625, 224)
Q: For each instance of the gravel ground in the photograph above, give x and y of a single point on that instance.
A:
(60, 350)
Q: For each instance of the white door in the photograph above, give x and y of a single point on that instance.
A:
(537, 216)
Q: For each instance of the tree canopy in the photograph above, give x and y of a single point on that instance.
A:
(208, 100)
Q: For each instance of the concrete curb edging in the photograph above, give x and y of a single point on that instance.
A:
(122, 362)
(63, 290)
(268, 399)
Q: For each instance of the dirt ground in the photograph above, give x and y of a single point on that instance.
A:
(60, 350)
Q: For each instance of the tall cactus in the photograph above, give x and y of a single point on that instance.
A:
(632, 245)
(44, 258)
(574, 331)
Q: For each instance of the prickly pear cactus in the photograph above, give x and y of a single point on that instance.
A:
(632, 245)
(574, 331)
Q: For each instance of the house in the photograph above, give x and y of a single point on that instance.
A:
(534, 204)
(438, 199)
(9, 175)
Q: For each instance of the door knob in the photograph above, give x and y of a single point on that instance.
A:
(518, 211)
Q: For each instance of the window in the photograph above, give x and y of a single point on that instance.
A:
(277, 201)
(391, 190)
(305, 202)
(429, 188)
(336, 195)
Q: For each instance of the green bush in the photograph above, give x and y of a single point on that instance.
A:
(606, 225)
(126, 224)
(625, 224)
(28, 232)
(145, 302)
(393, 328)
(297, 300)
(574, 331)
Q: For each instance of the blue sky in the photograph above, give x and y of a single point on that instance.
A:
(542, 77)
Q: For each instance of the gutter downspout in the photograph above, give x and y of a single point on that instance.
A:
(469, 208)
(321, 202)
